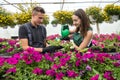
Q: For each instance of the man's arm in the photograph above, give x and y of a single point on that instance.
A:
(24, 44)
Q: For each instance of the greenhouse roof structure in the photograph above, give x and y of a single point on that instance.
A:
(54, 5)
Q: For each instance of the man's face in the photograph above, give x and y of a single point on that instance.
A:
(38, 18)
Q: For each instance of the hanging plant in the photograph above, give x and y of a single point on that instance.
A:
(95, 14)
(54, 22)
(46, 20)
(63, 17)
(106, 16)
(113, 11)
(6, 18)
(25, 15)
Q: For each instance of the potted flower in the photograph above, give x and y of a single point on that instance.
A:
(64, 17)
(113, 11)
(95, 16)
(54, 22)
(6, 18)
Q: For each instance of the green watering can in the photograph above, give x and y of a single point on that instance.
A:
(65, 31)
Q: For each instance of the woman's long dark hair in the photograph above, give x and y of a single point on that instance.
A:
(85, 24)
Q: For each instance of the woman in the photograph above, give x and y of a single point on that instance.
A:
(82, 34)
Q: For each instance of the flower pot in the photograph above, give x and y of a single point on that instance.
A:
(111, 21)
(92, 19)
(95, 49)
(5, 55)
(113, 50)
(5, 27)
(105, 50)
(54, 25)
(115, 17)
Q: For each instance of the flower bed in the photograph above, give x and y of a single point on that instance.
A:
(61, 65)
(106, 43)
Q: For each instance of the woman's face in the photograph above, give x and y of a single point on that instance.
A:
(76, 21)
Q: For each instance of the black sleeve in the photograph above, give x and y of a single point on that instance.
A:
(44, 31)
(22, 32)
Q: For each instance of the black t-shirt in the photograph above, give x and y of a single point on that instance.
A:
(38, 37)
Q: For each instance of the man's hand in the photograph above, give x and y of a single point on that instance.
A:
(51, 48)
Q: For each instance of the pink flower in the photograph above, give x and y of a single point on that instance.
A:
(37, 57)
(58, 54)
(55, 67)
(94, 42)
(12, 61)
(30, 50)
(116, 64)
(108, 75)
(17, 45)
(72, 73)
(11, 70)
(17, 56)
(77, 63)
(37, 71)
(50, 72)
(1, 61)
(12, 42)
(78, 55)
(96, 77)
(10, 50)
(59, 76)
(48, 57)
(118, 37)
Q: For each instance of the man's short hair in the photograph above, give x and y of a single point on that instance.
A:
(38, 9)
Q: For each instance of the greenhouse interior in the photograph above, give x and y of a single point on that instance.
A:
(59, 39)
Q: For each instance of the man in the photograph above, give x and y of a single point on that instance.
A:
(32, 34)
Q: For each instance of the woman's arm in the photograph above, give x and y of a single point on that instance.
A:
(85, 41)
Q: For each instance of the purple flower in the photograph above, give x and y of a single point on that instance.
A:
(88, 68)
(82, 72)
(11, 70)
(50, 72)
(96, 77)
(37, 71)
